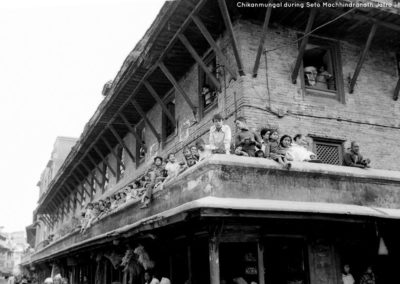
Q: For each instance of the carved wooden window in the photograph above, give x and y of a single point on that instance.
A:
(321, 74)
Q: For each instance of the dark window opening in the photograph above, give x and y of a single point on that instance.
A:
(168, 126)
(285, 261)
(105, 178)
(238, 260)
(141, 148)
(208, 91)
(321, 73)
(120, 163)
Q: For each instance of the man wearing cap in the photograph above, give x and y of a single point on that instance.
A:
(353, 158)
(220, 136)
(156, 174)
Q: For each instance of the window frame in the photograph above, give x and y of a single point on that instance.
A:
(334, 47)
(331, 142)
(207, 58)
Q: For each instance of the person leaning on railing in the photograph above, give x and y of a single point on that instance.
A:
(353, 158)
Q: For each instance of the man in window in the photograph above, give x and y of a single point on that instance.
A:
(353, 158)
(220, 136)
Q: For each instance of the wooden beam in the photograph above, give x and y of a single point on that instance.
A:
(91, 173)
(199, 61)
(159, 101)
(362, 58)
(396, 91)
(260, 256)
(104, 160)
(177, 87)
(303, 45)
(131, 129)
(96, 166)
(214, 261)
(262, 39)
(121, 142)
(112, 151)
(228, 24)
(89, 182)
(82, 183)
(203, 29)
(146, 120)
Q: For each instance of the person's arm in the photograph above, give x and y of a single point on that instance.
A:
(227, 139)
(347, 161)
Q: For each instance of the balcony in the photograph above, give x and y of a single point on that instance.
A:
(228, 183)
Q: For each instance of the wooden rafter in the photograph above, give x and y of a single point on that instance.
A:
(177, 87)
(203, 29)
(131, 129)
(159, 101)
(104, 160)
(97, 166)
(121, 142)
(362, 58)
(112, 151)
(146, 120)
(89, 182)
(91, 173)
(262, 39)
(303, 45)
(228, 24)
(82, 183)
(199, 61)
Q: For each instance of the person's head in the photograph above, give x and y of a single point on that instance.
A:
(89, 205)
(217, 120)
(274, 135)
(265, 132)
(355, 147)
(200, 144)
(116, 196)
(193, 150)
(285, 141)
(241, 123)
(186, 152)
(346, 269)
(171, 157)
(158, 161)
(136, 184)
(102, 205)
(299, 139)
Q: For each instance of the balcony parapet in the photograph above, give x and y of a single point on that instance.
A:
(263, 183)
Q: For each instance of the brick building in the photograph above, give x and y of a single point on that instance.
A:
(230, 216)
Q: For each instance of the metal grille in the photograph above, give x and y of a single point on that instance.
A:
(328, 153)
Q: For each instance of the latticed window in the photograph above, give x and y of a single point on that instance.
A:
(329, 152)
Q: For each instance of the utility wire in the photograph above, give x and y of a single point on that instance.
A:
(307, 34)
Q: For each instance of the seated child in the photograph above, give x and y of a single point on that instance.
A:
(195, 152)
(259, 154)
(278, 151)
(204, 150)
(173, 168)
(157, 175)
(190, 159)
(87, 217)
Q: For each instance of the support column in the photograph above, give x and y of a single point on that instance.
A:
(213, 248)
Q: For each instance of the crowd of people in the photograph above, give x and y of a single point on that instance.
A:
(267, 143)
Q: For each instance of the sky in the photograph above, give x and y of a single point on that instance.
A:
(55, 57)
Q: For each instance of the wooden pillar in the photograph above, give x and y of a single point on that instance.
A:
(262, 39)
(362, 58)
(303, 45)
(213, 248)
(189, 263)
(260, 256)
(396, 91)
